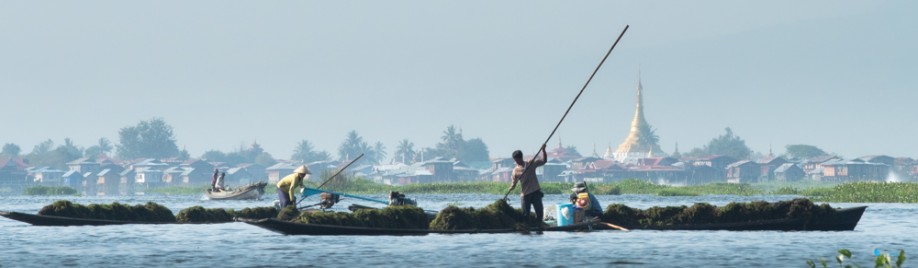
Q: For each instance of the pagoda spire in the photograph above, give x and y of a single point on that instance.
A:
(639, 142)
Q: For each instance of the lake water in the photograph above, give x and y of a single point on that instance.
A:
(885, 226)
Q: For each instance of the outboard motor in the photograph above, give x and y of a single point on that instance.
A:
(329, 200)
(398, 199)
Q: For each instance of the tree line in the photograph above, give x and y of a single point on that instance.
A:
(155, 139)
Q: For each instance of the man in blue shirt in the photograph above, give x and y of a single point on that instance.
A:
(583, 199)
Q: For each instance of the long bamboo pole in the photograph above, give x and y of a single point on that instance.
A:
(529, 166)
(333, 176)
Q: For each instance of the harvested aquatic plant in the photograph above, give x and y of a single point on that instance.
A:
(149, 212)
(255, 213)
(498, 215)
(703, 213)
(288, 213)
(398, 217)
(199, 214)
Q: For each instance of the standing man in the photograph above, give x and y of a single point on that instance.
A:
(213, 180)
(220, 181)
(530, 191)
(287, 185)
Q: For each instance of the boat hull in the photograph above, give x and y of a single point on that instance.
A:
(843, 220)
(248, 192)
(42, 220)
(291, 228)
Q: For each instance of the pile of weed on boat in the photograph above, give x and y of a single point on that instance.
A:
(152, 213)
(199, 214)
(398, 217)
(498, 215)
(149, 212)
(704, 213)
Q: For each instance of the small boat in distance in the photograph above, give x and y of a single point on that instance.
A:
(252, 191)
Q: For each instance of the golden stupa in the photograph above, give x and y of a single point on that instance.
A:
(641, 142)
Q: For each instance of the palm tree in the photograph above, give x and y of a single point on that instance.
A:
(451, 142)
(353, 146)
(305, 153)
(302, 152)
(405, 151)
(105, 146)
(379, 152)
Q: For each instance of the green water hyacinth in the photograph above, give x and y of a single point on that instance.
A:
(845, 259)
(49, 190)
(870, 192)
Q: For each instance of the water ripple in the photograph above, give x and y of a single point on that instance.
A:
(882, 226)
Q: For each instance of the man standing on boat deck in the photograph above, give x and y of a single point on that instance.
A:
(530, 191)
(287, 185)
(219, 184)
(213, 180)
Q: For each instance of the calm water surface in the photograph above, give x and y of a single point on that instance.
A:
(885, 226)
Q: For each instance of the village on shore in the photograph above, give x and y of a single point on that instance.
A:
(637, 157)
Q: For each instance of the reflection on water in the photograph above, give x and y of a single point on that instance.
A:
(884, 226)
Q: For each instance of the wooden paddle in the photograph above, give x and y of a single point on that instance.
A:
(615, 226)
(528, 167)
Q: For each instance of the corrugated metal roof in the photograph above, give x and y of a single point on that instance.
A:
(784, 167)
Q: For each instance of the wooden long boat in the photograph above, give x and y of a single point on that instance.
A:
(292, 228)
(252, 191)
(43, 220)
(842, 220)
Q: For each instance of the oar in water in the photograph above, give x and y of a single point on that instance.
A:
(528, 167)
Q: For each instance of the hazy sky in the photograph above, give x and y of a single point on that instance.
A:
(840, 75)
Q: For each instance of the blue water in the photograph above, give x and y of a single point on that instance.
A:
(885, 226)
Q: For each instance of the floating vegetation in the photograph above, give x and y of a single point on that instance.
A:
(869, 192)
(149, 212)
(49, 190)
(498, 215)
(786, 190)
(704, 213)
(400, 217)
(844, 259)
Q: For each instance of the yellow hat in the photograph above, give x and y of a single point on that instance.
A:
(302, 170)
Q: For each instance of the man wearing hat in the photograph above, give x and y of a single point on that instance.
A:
(584, 200)
(287, 185)
(530, 191)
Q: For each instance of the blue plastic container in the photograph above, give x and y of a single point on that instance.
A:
(565, 214)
